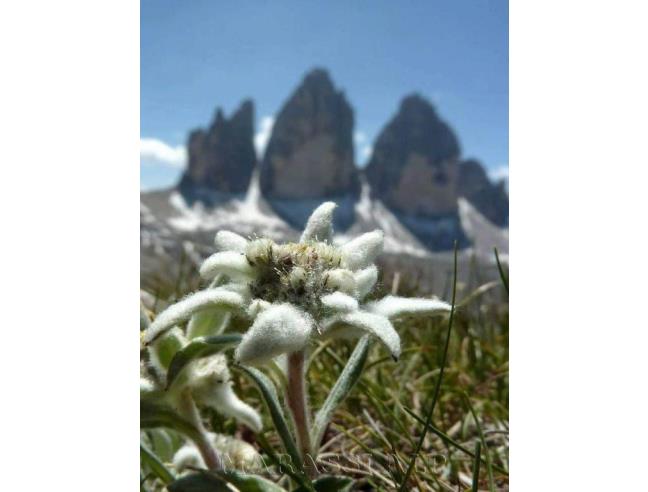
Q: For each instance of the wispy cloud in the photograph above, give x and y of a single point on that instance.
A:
(262, 136)
(156, 152)
(359, 137)
(500, 172)
(364, 147)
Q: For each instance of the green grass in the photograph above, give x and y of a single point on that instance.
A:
(375, 432)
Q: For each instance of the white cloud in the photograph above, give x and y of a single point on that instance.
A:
(366, 151)
(157, 152)
(262, 136)
(500, 172)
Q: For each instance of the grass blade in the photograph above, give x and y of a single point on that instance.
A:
(281, 467)
(448, 440)
(156, 466)
(269, 393)
(197, 349)
(501, 271)
(475, 477)
(144, 319)
(154, 414)
(250, 483)
(201, 481)
(489, 468)
(348, 377)
(437, 387)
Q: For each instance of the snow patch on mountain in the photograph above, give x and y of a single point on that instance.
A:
(249, 216)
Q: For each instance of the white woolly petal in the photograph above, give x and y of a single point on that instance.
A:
(241, 288)
(230, 241)
(182, 310)
(257, 306)
(223, 399)
(146, 385)
(363, 250)
(374, 324)
(211, 386)
(187, 455)
(279, 329)
(365, 280)
(230, 263)
(342, 280)
(395, 307)
(320, 224)
(340, 302)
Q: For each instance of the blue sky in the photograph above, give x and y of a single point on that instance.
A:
(199, 54)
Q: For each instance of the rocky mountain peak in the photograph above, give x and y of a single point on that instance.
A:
(221, 158)
(490, 199)
(310, 152)
(414, 165)
(309, 157)
(318, 80)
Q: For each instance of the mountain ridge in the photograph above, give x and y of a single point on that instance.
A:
(417, 186)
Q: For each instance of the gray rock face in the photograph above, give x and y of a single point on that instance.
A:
(490, 199)
(414, 166)
(310, 152)
(221, 158)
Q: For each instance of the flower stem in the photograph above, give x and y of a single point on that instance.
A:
(296, 400)
(187, 408)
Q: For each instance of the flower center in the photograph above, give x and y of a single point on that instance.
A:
(292, 272)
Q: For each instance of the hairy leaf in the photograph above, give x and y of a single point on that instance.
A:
(157, 467)
(197, 349)
(156, 414)
(269, 393)
(199, 482)
(348, 377)
(250, 483)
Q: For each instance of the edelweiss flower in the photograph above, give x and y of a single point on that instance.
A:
(292, 293)
(206, 380)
